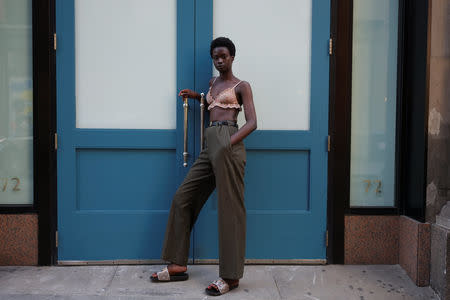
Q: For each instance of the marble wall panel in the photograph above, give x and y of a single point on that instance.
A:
(414, 249)
(19, 239)
(371, 239)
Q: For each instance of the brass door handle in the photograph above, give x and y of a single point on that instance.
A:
(185, 153)
(202, 118)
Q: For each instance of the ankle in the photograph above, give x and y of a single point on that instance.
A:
(231, 281)
(176, 267)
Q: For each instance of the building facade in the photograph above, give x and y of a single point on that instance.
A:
(350, 162)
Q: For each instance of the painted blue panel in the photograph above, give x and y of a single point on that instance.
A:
(65, 66)
(185, 80)
(280, 139)
(289, 170)
(203, 70)
(107, 236)
(125, 179)
(113, 138)
(277, 181)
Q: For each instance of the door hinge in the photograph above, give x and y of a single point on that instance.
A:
(330, 50)
(56, 141)
(329, 143)
(326, 239)
(56, 238)
(54, 41)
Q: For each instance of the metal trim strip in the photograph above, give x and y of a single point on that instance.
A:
(114, 262)
(190, 262)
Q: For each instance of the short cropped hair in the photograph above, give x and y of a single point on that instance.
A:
(223, 42)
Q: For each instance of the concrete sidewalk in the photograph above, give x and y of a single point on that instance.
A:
(337, 282)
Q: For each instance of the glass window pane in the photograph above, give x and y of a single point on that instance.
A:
(273, 53)
(125, 52)
(374, 87)
(16, 103)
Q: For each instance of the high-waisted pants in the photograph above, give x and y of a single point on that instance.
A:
(220, 166)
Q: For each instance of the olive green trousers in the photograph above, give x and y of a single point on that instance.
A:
(220, 166)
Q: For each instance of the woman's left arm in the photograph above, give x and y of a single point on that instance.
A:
(245, 91)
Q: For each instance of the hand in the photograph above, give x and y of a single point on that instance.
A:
(189, 94)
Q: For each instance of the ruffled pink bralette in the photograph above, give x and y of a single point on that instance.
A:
(225, 99)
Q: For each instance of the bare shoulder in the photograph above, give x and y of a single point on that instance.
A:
(212, 80)
(244, 83)
(243, 86)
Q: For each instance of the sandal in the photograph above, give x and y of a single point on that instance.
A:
(219, 287)
(164, 276)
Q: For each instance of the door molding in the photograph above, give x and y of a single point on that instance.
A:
(44, 128)
(191, 262)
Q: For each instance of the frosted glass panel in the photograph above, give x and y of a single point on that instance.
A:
(16, 103)
(125, 64)
(374, 85)
(273, 51)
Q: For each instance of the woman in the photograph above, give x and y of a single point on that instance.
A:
(220, 165)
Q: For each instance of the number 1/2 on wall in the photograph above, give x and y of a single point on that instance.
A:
(376, 183)
(12, 183)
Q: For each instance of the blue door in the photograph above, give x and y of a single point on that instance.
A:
(282, 50)
(120, 124)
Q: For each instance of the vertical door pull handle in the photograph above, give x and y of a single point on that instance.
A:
(202, 119)
(185, 153)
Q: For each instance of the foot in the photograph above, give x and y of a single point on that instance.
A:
(232, 283)
(173, 270)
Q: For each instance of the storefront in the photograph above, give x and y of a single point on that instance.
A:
(94, 85)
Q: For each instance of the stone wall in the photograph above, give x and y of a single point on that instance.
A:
(18, 239)
(438, 161)
(438, 157)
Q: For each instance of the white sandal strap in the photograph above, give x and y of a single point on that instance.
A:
(163, 275)
(221, 285)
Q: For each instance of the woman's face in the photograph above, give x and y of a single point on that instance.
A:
(222, 59)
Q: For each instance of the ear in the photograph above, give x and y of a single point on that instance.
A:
(232, 58)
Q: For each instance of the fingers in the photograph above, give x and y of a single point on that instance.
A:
(187, 93)
(184, 92)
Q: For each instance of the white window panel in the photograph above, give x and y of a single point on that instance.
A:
(273, 53)
(125, 64)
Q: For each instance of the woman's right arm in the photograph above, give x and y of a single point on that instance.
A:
(192, 94)
(189, 94)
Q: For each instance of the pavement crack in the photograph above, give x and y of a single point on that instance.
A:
(276, 284)
(106, 288)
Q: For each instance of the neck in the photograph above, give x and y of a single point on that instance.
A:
(228, 75)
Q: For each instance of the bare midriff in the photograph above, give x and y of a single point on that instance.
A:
(223, 114)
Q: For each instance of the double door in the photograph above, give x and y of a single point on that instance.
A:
(120, 124)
